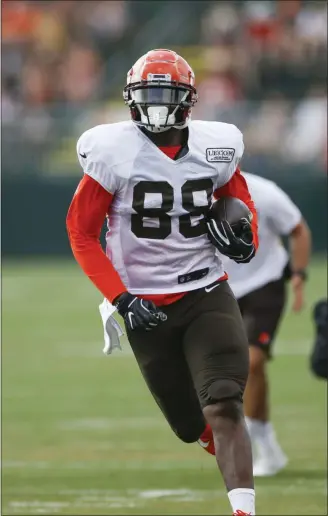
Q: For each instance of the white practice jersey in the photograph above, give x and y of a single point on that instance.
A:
(157, 238)
(277, 216)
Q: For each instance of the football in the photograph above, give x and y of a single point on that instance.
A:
(230, 209)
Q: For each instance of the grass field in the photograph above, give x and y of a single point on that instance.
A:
(81, 434)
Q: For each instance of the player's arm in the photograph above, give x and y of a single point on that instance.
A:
(90, 205)
(84, 222)
(237, 187)
(85, 218)
(242, 247)
(287, 220)
(300, 250)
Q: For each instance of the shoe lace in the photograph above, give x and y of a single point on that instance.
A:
(241, 513)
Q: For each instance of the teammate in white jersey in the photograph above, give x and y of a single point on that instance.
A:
(154, 178)
(260, 289)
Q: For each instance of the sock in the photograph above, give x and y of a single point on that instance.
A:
(268, 431)
(242, 500)
(257, 429)
(262, 432)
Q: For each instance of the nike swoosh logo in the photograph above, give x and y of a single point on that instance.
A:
(208, 289)
(130, 315)
(203, 444)
(83, 155)
(224, 238)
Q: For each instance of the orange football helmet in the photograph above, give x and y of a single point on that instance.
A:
(160, 91)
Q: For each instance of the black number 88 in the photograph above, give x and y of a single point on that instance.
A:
(162, 213)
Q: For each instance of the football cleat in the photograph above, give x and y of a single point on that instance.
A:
(160, 91)
(241, 513)
(206, 440)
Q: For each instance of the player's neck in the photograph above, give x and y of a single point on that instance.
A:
(169, 138)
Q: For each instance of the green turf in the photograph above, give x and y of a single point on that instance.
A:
(81, 434)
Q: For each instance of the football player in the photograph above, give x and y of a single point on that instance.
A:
(153, 177)
(260, 288)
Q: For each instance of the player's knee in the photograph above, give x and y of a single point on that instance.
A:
(225, 398)
(257, 361)
(227, 389)
(228, 409)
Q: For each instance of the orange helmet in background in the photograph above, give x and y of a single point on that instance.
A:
(160, 91)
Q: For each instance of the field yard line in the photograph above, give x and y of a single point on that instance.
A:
(45, 507)
(138, 498)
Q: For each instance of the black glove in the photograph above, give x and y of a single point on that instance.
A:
(235, 243)
(138, 313)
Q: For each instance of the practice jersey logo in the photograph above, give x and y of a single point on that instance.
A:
(223, 155)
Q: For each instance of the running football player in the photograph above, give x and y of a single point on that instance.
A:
(153, 177)
(260, 288)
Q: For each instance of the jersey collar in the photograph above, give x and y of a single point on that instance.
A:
(158, 150)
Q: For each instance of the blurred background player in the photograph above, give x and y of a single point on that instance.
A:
(260, 288)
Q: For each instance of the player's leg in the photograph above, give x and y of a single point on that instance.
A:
(162, 363)
(256, 396)
(216, 349)
(262, 310)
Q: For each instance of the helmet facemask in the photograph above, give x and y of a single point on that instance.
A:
(159, 106)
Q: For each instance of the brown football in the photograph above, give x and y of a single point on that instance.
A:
(230, 209)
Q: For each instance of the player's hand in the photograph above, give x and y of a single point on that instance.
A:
(297, 284)
(239, 248)
(138, 313)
